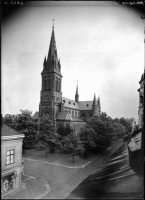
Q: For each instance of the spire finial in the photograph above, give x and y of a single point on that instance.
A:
(53, 23)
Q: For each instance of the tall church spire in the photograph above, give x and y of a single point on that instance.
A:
(77, 95)
(52, 47)
(95, 106)
(94, 101)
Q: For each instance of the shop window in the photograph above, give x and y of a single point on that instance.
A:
(10, 156)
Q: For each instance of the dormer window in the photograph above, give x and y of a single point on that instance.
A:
(64, 101)
(69, 102)
(74, 104)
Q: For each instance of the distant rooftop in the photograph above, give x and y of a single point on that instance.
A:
(36, 115)
(7, 131)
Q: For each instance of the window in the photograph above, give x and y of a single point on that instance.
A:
(49, 83)
(56, 84)
(10, 156)
(45, 84)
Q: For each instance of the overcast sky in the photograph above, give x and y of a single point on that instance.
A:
(100, 44)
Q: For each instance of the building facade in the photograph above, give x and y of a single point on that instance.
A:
(11, 160)
(141, 100)
(67, 112)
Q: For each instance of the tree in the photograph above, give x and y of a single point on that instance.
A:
(47, 138)
(88, 137)
(24, 124)
(101, 127)
(72, 144)
(118, 129)
(63, 131)
(127, 123)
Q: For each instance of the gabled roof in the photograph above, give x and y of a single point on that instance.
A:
(70, 103)
(63, 115)
(85, 105)
(36, 115)
(7, 131)
(81, 105)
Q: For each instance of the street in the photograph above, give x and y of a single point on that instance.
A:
(113, 179)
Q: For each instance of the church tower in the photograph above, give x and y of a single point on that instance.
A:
(51, 95)
(96, 107)
(77, 95)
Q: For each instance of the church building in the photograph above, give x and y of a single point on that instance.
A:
(67, 112)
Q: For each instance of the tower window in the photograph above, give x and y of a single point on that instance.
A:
(45, 84)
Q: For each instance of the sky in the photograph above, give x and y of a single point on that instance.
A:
(100, 45)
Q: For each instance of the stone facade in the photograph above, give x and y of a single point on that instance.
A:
(51, 100)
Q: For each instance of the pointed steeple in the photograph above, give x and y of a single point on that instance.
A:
(44, 63)
(52, 47)
(94, 101)
(77, 94)
(99, 101)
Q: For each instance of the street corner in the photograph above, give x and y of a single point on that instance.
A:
(31, 188)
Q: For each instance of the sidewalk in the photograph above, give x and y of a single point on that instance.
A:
(32, 188)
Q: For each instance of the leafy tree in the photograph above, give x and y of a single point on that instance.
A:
(101, 127)
(126, 123)
(47, 138)
(88, 137)
(9, 120)
(72, 144)
(24, 124)
(118, 129)
(63, 131)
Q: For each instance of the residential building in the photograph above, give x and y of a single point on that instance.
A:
(11, 160)
(141, 99)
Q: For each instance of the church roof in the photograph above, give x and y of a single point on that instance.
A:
(7, 131)
(77, 119)
(85, 105)
(63, 115)
(70, 103)
(81, 105)
(36, 115)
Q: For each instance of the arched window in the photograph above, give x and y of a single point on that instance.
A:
(49, 83)
(59, 85)
(45, 83)
(56, 84)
